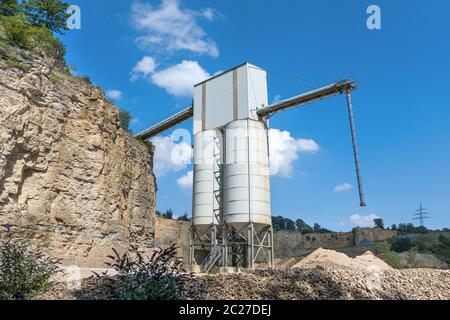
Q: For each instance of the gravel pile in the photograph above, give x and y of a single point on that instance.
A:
(327, 282)
(323, 257)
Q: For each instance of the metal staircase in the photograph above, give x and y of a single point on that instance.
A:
(212, 258)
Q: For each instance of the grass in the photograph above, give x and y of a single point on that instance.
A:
(128, 174)
(11, 62)
(85, 79)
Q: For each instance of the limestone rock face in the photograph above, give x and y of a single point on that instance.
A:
(72, 181)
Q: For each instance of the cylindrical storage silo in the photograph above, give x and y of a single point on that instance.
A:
(246, 174)
(208, 160)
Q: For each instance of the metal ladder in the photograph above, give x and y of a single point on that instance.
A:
(216, 251)
(212, 258)
(217, 179)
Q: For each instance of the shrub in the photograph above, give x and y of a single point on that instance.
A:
(401, 245)
(383, 250)
(159, 277)
(413, 260)
(125, 119)
(16, 31)
(24, 271)
(86, 79)
(445, 241)
(184, 217)
(128, 174)
(43, 39)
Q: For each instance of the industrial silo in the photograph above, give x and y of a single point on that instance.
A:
(207, 191)
(247, 179)
(207, 178)
(247, 210)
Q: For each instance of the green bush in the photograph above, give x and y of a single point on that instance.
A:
(125, 119)
(401, 245)
(413, 259)
(383, 250)
(16, 31)
(86, 79)
(158, 277)
(24, 271)
(444, 240)
(42, 38)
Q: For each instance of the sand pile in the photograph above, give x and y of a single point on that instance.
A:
(323, 257)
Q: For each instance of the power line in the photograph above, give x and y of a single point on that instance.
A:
(421, 214)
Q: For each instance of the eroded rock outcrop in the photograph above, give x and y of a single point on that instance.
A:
(72, 181)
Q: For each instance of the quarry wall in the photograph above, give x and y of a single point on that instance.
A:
(287, 244)
(72, 181)
(169, 232)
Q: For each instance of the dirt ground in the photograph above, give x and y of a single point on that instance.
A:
(323, 275)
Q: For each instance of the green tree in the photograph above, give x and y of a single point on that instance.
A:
(289, 224)
(50, 14)
(317, 227)
(394, 227)
(278, 223)
(168, 214)
(125, 119)
(379, 223)
(303, 227)
(9, 7)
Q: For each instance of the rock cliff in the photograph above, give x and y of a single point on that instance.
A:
(72, 181)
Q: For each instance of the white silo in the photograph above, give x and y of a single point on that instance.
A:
(247, 179)
(208, 159)
(207, 193)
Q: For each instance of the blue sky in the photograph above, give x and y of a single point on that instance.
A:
(401, 108)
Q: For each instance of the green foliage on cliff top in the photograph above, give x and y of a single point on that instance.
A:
(19, 33)
(30, 25)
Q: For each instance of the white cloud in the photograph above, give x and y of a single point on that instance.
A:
(363, 221)
(143, 68)
(284, 150)
(209, 14)
(114, 94)
(170, 156)
(186, 181)
(172, 28)
(276, 99)
(179, 80)
(343, 187)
